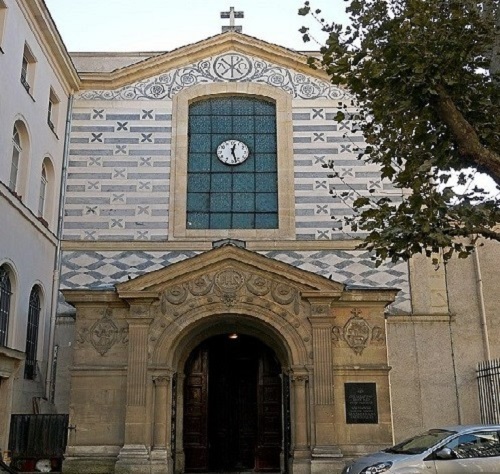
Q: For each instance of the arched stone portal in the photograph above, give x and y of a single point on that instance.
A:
(325, 337)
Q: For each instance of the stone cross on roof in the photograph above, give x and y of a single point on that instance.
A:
(231, 14)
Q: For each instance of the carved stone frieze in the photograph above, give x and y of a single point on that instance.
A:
(357, 333)
(103, 334)
(229, 286)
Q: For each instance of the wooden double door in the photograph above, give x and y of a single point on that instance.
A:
(232, 406)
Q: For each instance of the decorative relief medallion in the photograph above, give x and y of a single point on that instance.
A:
(176, 294)
(232, 67)
(227, 67)
(258, 285)
(357, 333)
(229, 280)
(200, 286)
(103, 334)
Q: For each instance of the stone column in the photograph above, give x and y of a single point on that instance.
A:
(324, 409)
(161, 433)
(300, 412)
(134, 455)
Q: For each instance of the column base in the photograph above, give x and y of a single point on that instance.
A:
(133, 459)
(161, 462)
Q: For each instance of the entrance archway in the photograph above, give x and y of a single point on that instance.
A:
(233, 406)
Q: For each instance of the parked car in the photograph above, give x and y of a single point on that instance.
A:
(449, 450)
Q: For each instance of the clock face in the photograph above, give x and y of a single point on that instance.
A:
(232, 152)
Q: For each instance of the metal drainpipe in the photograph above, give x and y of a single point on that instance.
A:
(57, 258)
(482, 309)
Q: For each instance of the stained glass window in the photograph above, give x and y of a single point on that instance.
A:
(242, 196)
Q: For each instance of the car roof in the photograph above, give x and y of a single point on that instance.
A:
(467, 428)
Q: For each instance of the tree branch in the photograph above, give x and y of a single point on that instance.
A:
(466, 137)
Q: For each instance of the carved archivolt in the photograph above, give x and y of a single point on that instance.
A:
(103, 334)
(357, 333)
(228, 286)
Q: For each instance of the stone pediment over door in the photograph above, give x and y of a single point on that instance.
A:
(231, 282)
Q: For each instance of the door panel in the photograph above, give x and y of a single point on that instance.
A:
(195, 412)
(232, 407)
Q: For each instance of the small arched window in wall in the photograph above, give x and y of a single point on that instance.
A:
(232, 164)
(16, 158)
(5, 296)
(32, 334)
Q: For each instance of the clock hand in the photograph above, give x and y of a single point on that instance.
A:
(232, 152)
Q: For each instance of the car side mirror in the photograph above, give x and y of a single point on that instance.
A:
(445, 453)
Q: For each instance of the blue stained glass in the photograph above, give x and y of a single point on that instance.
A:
(198, 182)
(265, 143)
(199, 143)
(265, 162)
(221, 196)
(242, 106)
(221, 106)
(200, 108)
(198, 220)
(220, 202)
(265, 125)
(199, 162)
(243, 124)
(198, 202)
(220, 221)
(266, 202)
(222, 182)
(243, 221)
(243, 202)
(244, 182)
(223, 124)
(266, 182)
(263, 107)
(266, 221)
(199, 124)
(218, 138)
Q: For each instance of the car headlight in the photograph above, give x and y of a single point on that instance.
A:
(377, 468)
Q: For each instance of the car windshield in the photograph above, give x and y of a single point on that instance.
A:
(419, 444)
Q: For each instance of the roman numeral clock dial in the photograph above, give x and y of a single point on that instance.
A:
(232, 152)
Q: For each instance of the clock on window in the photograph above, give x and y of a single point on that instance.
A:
(232, 152)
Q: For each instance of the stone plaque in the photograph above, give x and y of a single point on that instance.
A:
(361, 403)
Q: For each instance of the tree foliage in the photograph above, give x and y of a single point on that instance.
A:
(426, 77)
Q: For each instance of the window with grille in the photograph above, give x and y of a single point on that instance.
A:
(232, 196)
(5, 294)
(32, 334)
(16, 154)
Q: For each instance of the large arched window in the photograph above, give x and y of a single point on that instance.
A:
(5, 295)
(16, 157)
(32, 334)
(232, 164)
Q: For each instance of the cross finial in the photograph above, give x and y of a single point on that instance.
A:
(231, 14)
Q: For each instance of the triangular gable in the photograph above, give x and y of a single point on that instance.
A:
(229, 256)
(186, 55)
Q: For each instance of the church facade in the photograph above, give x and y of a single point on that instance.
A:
(217, 314)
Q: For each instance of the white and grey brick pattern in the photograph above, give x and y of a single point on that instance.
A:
(118, 174)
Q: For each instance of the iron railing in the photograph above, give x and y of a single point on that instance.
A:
(488, 379)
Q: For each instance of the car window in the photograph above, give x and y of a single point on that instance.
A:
(419, 444)
(476, 445)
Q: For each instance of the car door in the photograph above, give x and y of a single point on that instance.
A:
(477, 452)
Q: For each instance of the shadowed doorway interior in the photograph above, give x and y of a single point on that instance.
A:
(232, 406)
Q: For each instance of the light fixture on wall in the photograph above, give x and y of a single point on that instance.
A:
(233, 335)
